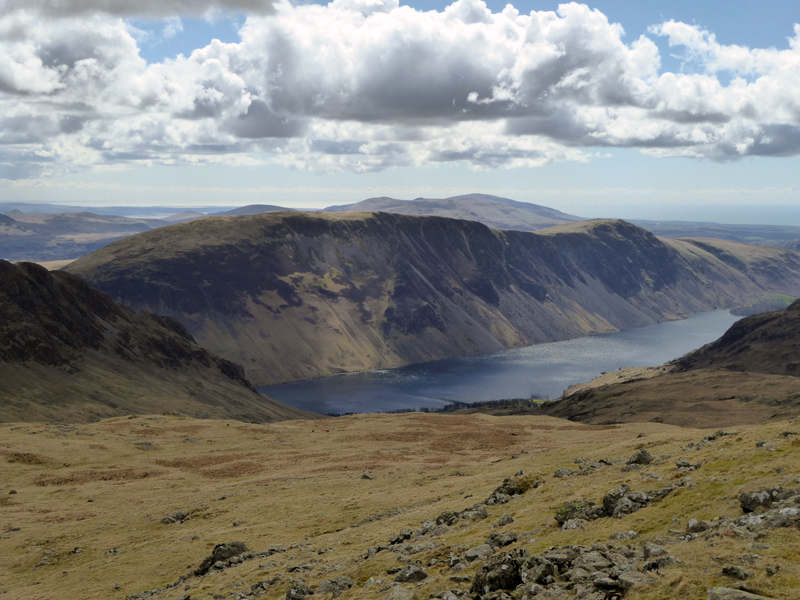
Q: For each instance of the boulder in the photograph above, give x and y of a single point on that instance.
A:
(641, 457)
(410, 573)
(298, 590)
(220, 554)
(335, 586)
(500, 572)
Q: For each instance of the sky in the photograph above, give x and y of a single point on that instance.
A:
(637, 109)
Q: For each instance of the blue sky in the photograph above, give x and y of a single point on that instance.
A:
(296, 106)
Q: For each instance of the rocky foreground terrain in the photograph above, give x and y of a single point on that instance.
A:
(293, 295)
(70, 353)
(398, 507)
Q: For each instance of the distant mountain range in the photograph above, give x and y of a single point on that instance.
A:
(294, 295)
(496, 212)
(38, 232)
(70, 353)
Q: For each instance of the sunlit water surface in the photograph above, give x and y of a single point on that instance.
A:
(541, 371)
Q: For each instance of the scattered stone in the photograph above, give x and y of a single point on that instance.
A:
(513, 486)
(698, 526)
(641, 457)
(12, 491)
(574, 524)
(298, 590)
(722, 593)
(405, 534)
(410, 573)
(366, 475)
(737, 572)
(220, 553)
(500, 540)
(175, 517)
(399, 593)
(335, 586)
(624, 535)
(563, 472)
(479, 552)
(146, 445)
(505, 519)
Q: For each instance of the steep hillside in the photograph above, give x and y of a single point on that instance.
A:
(70, 353)
(765, 343)
(300, 295)
(496, 212)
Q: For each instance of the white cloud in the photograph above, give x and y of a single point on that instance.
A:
(126, 8)
(364, 85)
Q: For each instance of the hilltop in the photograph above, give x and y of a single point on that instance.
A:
(294, 295)
(69, 353)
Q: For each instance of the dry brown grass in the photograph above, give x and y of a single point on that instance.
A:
(300, 483)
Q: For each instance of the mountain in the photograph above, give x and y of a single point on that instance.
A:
(765, 343)
(750, 375)
(251, 209)
(57, 236)
(793, 244)
(496, 212)
(186, 215)
(293, 295)
(70, 353)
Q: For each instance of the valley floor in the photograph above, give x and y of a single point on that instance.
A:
(131, 507)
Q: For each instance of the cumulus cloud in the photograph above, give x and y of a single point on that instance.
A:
(126, 8)
(364, 85)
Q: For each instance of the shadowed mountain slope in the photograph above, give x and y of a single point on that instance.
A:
(70, 353)
(300, 295)
(496, 212)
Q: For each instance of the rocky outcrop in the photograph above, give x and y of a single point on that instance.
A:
(299, 295)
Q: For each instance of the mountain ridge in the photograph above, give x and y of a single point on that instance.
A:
(298, 295)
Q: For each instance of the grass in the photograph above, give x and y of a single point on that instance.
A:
(300, 484)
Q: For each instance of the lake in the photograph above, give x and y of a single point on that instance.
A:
(541, 371)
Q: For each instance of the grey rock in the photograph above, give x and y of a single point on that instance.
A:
(641, 457)
(574, 524)
(220, 553)
(753, 501)
(505, 519)
(500, 540)
(335, 586)
(563, 472)
(499, 572)
(410, 573)
(405, 534)
(399, 593)
(737, 572)
(298, 590)
(479, 552)
(698, 526)
(723, 593)
(537, 570)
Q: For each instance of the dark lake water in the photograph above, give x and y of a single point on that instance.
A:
(541, 371)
